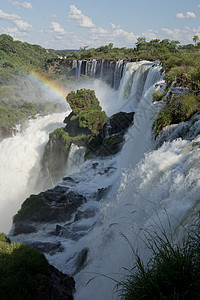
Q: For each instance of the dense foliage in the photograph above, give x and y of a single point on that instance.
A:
(17, 54)
(20, 96)
(22, 269)
(65, 140)
(87, 110)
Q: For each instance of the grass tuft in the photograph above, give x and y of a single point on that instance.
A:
(173, 272)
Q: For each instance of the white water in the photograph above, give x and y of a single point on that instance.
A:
(20, 158)
(148, 190)
(75, 158)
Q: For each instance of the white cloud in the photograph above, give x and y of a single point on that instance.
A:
(99, 31)
(198, 5)
(17, 20)
(55, 27)
(22, 24)
(150, 34)
(76, 14)
(129, 36)
(14, 32)
(113, 26)
(54, 16)
(24, 4)
(189, 15)
(184, 35)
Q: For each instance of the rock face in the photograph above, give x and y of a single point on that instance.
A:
(60, 286)
(55, 205)
(120, 122)
(73, 127)
(110, 139)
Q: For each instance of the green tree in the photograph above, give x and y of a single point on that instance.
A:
(195, 39)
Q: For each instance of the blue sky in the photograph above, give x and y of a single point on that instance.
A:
(71, 24)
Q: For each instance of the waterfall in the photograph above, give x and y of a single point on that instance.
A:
(150, 186)
(78, 69)
(110, 72)
(74, 64)
(118, 73)
(101, 70)
(75, 158)
(109, 253)
(20, 158)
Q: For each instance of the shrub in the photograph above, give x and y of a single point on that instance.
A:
(22, 269)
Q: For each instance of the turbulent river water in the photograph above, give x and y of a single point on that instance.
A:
(152, 186)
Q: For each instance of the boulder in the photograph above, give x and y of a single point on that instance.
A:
(55, 205)
(120, 122)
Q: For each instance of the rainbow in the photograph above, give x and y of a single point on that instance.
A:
(56, 88)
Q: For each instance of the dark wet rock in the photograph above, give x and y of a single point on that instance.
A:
(102, 192)
(120, 122)
(110, 139)
(104, 146)
(47, 247)
(107, 170)
(61, 286)
(74, 235)
(94, 165)
(23, 227)
(81, 260)
(69, 179)
(58, 230)
(89, 213)
(55, 205)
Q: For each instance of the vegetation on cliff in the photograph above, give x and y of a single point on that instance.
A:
(176, 109)
(85, 121)
(87, 110)
(22, 270)
(26, 274)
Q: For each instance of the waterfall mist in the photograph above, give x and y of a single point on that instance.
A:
(20, 158)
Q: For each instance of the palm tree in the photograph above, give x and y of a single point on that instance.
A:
(195, 39)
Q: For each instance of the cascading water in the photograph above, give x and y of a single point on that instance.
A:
(78, 68)
(20, 158)
(118, 73)
(75, 158)
(110, 72)
(101, 70)
(90, 68)
(148, 187)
